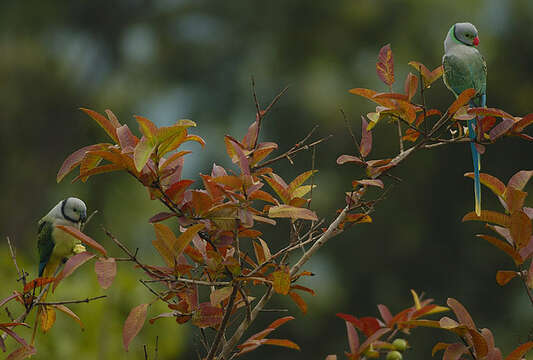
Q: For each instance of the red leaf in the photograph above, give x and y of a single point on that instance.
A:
(74, 160)
(160, 217)
(84, 238)
(385, 65)
(133, 324)
(520, 179)
(366, 138)
(461, 313)
(501, 129)
(72, 264)
(454, 351)
(107, 125)
(343, 159)
(126, 139)
(106, 270)
(207, 316)
(385, 313)
(353, 338)
(22, 353)
(176, 190)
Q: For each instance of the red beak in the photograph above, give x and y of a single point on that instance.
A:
(476, 41)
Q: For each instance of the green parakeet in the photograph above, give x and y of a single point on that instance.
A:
(465, 68)
(55, 245)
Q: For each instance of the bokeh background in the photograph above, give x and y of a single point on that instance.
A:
(194, 59)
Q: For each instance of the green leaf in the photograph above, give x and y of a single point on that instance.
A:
(142, 152)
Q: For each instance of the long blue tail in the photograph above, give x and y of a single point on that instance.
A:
(476, 159)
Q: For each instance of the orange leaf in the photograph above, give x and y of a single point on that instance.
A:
(262, 195)
(489, 181)
(106, 270)
(520, 228)
(428, 77)
(47, 317)
(299, 301)
(369, 94)
(282, 342)
(112, 118)
(39, 282)
(504, 276)
(520, 351)
(479, 342)
(523, 123)
(69, 312)
(489, 216)
(490, 112)
(299, 180)
(185, 238)
(385, 65)
(514, 199)
(84, 238)
(503, 246)
(279, 186)
(282, 281)
(201, 202)
(133, 324)
(411, 83)
(411, 135)
(461, 100)
(262, 151)
(103, 122)
(176, 190)
(287, 211)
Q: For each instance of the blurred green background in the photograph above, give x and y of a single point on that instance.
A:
(193, 59)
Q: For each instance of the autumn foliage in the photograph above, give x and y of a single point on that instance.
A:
(206, 279)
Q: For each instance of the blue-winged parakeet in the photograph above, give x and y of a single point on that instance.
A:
(465, 68)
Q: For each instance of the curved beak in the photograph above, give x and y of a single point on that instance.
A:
(476, 41)
(83, 217)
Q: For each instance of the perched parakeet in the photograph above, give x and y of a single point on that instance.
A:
(465, 68)
(55, 245)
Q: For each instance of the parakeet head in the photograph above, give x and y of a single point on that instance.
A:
(466, 33)
(74, 210)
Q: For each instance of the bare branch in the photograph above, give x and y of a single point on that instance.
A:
(72, 301)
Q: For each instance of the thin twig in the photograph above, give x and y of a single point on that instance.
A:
(292, 151)
(71, 301)
(224, 323)
(350, 130)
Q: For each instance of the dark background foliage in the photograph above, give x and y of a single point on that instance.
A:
(168, 60)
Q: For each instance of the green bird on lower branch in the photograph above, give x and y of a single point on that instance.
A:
(55, 245)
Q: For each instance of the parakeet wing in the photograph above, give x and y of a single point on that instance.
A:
(45, 244)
